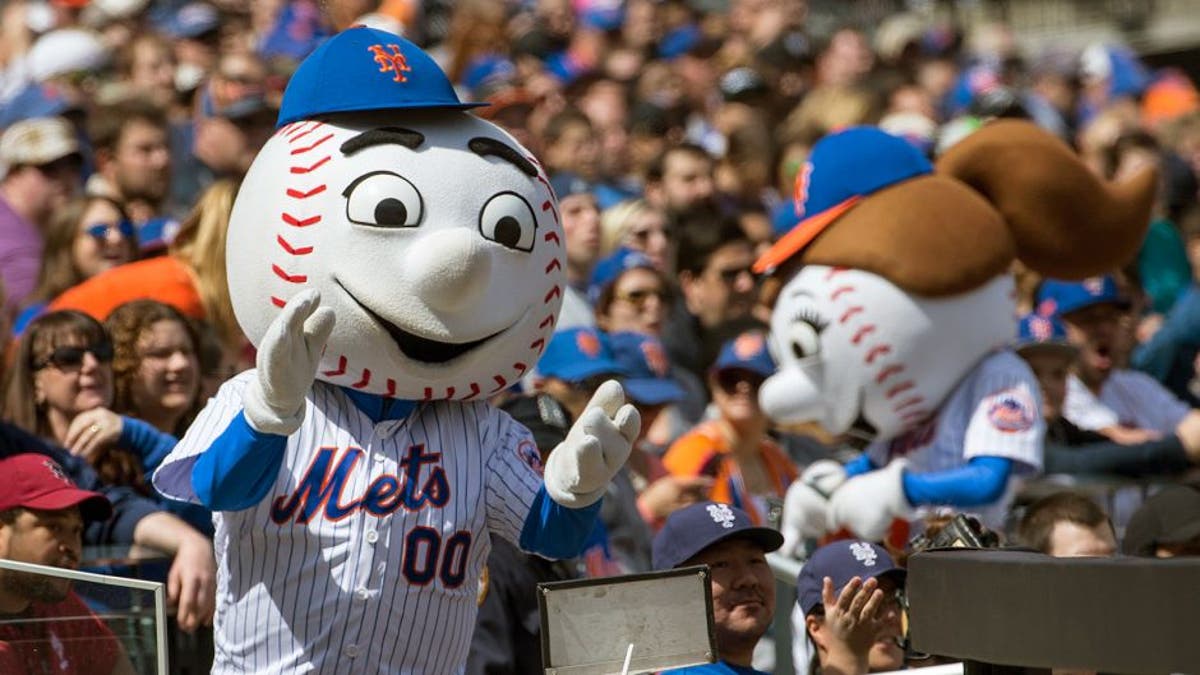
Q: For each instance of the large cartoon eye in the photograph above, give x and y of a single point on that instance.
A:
(383, 199)
(804, 335)
(508, 220)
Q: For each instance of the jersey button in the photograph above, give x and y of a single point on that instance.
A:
(362, 594)
(372, 537)
(350, 651)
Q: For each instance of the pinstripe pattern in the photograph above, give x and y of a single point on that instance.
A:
(964, 428)
(321, 596)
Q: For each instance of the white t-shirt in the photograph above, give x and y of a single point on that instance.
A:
(1128, 397)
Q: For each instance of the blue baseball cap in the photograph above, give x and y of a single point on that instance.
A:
(566, 184)
(156, 234)
(575, 354)
(841, 170)
(1036, 332)
(841, 561)
(35, 100)
(1056, 297)
(747, 351)
(694, 528)
(647, 369)
(608, 269)
(366, 69)
(193, 20)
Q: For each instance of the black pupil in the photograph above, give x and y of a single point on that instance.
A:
(508, 231)
(391, 211)
(797, 350)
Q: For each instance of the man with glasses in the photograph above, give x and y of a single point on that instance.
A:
(718, 288)
(850, 594)
(40, 169)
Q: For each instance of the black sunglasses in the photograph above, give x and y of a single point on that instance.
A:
(728, 380)
(731, 275)
(65, 358)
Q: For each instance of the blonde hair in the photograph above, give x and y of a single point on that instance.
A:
(616, 221)
(829, 108)
(200, 246)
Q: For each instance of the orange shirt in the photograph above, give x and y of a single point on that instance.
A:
(704, 451)
(163, 278)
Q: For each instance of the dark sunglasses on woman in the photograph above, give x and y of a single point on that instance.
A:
(65, 358)
(101, 230)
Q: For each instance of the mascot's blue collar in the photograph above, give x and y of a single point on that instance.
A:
(380, 408)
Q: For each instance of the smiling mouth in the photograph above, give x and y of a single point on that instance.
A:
(416, 347)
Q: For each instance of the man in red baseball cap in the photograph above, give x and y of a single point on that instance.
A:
(44, 626)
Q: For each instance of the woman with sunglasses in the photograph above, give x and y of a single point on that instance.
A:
(749, 469)
(61, 388)
(88, 236)
(636, 224)
(636, 300)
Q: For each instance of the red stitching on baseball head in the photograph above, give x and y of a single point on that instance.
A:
(278, 302)
(862, 333)
(366, 379)
(840, 291)
(548, 321)
(875, 352)
(340, 370)
(849, 313)
(298, 222)
(293, 250)
(900, 389)
(311, 168)
(500, 383)
(556, 291)
(554, 236)
(301, 151)
(887, 372)
(474, 392)
(290, 278)
(297, 194)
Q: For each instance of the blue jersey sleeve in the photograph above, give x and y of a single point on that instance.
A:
(555, 531)
(859, 465)
(151, 445)
(239, 468)
(980, 481)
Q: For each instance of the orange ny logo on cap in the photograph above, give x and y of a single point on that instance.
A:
(748, 346)
(656, 358)
(588, 343)
(393, 62)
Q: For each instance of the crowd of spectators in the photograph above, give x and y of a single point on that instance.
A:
(673, 132)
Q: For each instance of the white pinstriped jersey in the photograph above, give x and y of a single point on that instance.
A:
(365, 555)
(995, 411)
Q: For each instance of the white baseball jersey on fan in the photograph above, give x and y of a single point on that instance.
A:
(352, 545)
(995, 411)
(1128, 397)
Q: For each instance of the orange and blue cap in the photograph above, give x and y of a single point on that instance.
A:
(842, 169)
(366, 69)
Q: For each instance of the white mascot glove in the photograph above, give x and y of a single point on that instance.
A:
(287, 361)
(806, 506)
(867, 503)
(579, 469)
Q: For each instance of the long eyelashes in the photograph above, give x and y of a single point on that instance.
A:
(811, 317)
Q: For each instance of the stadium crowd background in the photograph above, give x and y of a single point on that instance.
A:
(673, 131)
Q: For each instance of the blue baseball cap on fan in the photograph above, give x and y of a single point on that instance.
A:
(747, 351)
(694, 528)
(842, 169)
(1036, 332)
(1056, 297)
(647, 369)
(841, 561)
(366, 69)
(576, 354)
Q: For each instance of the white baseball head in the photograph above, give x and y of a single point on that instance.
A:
(433, 235)
(856, 352)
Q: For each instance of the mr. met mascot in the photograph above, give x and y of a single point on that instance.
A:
(396, 261)
(894, 304)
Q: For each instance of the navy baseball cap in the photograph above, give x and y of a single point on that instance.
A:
(747, 351)
(841, 561)
(193, 20)
(608, 269)
(575, 354)
(841, 170)
(1036, 333)
(647, 369)
(366, 69)
(1056, 297)
(694, 528)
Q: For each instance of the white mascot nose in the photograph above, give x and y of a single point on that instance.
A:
(450, 269)
(791, 396)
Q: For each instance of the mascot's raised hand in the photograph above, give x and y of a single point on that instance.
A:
(287, 361)
(806, 506)
(580, 468)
